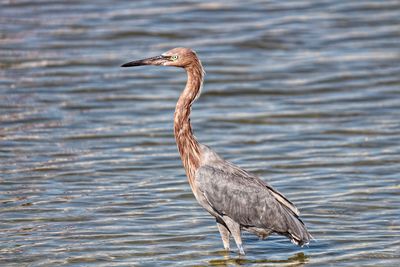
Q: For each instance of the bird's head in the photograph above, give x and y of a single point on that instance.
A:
(177, 57)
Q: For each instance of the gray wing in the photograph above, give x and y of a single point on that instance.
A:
(245, 198)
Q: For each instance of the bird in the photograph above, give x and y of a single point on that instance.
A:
(239, 200)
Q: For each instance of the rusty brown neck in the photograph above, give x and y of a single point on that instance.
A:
(188, 146)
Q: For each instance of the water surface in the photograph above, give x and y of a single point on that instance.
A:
(305, 94)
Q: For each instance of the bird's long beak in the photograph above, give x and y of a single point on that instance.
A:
(158, 60)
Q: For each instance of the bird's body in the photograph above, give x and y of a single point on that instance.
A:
(237, 199)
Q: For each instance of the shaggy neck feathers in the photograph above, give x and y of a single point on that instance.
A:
(189, 148)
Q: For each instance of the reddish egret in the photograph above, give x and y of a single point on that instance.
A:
(237, 199)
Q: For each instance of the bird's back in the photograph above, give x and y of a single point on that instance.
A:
(248, 200)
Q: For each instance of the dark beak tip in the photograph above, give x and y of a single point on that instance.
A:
(126, 65)
(146, 61)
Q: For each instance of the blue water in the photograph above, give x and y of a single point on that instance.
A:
(306, 94)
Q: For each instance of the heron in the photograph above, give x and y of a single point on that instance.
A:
(239, 200)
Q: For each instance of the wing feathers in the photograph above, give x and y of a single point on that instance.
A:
(249, 200)
(284, 201)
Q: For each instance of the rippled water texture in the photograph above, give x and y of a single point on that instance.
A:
(306, 94)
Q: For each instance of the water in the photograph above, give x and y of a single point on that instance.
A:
(305, 94)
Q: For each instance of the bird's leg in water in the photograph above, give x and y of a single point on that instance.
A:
(234, 228)
(224, 234)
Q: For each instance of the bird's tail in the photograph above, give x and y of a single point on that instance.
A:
(296, 230)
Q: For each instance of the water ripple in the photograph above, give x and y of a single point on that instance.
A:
(305, 94)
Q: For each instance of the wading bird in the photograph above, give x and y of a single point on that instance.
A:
(237, 199)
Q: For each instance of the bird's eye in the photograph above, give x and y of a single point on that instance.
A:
(175, 57)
